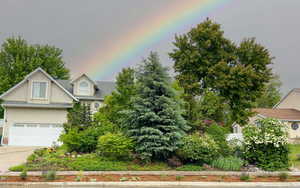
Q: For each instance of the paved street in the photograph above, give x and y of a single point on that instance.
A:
(13, 155)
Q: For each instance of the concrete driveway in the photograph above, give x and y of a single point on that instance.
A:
(13, 155)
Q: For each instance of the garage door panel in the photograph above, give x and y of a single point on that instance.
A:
(34, 134)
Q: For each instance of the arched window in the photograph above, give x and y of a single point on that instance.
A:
(84, 88)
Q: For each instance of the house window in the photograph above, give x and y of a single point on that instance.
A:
(96, 105)
(39, 90)
(84, 88)
(295, 126)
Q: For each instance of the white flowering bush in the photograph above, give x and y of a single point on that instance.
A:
(266, 144)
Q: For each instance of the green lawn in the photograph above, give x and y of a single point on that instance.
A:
(295, 150)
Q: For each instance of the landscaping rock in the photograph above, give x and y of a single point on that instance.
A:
(252, 168)
(174, 162)
(208, 167)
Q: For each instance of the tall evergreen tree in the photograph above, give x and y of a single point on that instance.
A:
(155, 120)
(79, 117)
(119, 99)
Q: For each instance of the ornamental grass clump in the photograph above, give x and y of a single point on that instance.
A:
(230, 163)
(266, 144)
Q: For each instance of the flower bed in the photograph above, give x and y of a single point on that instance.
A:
(118, 178)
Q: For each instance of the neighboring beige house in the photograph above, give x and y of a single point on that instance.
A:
(287, 111)
(36, 108)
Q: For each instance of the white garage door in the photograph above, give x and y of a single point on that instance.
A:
(24, 134)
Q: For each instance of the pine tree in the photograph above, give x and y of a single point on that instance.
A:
(79, 117)
(155, 121)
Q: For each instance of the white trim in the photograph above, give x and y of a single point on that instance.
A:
(26, 78)
(77, 78)
(3, 127)
(31, 89)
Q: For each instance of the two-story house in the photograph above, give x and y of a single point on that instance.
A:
(36, 108)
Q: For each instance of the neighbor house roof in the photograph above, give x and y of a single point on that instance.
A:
(279, 113)
(103, 88)
(296, 90)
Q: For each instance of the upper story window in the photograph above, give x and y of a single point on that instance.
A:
(84, 88)
(39, 90)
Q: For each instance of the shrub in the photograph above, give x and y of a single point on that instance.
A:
(81, 141)
(228, 163)
(245, 177)
(179, 178)
(23, 175)
(114, 146)
(198, 148)
(50, 175)
(219, 134)
(283, 176)
(79, 176)
(266, 144)
(18, 168)
(298, 157)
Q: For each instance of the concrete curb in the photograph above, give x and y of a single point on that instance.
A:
(155, 184)
(158, 173)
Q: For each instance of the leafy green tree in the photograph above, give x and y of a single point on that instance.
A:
(18, 58)
(205, 59)
(212, 107)
(119, 100)
(271, 95)
(154, 121)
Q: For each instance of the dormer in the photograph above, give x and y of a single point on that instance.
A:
(84, 86)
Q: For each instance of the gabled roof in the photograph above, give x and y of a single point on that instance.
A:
(104, 88)
(83, 75)
(297, 90)
(47, 75)
(279, 113)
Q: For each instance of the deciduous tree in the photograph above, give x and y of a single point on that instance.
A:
(205, 59)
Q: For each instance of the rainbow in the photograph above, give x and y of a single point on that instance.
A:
(108, 60)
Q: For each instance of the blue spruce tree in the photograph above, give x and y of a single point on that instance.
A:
(155, 120)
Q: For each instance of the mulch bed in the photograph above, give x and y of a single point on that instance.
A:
(118, 178)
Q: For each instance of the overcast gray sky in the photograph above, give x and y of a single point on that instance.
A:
(80, 27)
